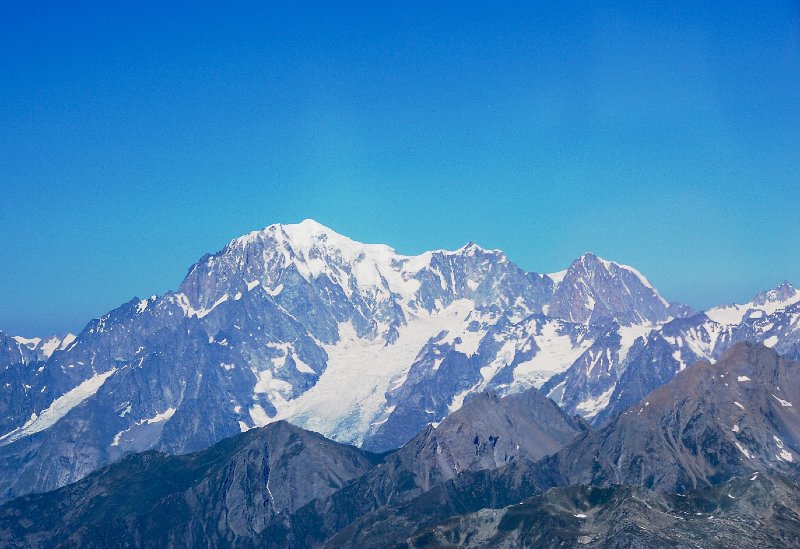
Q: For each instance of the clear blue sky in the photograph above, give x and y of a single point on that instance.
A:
(135, 139)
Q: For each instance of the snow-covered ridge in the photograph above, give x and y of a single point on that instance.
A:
(765, 303)
(45, 347)
(370, 273)
(316, 250)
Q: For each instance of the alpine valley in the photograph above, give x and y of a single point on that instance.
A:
(303, 389)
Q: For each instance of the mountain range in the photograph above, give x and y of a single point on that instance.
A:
(365, 346)
(706, 460)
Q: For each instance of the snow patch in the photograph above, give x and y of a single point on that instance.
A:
(742, 450)
(274, 291)
(592, 406)
(190, 311)
(557, 353)
(258, 415)
(59, 408)
(558, 277)
(784, 403)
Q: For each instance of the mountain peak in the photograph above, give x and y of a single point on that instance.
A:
(472, 248)
(593, 289)
(306, 231)
(589, 257)
(781, 293)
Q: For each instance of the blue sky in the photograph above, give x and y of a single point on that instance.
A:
(135, 139)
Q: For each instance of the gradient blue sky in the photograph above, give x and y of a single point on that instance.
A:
(135, 139)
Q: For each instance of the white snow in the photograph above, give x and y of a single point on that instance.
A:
(742, 450)
(302, 366)
(163, 416)
(258, 415)
(771, 341)
(58, 408)
(203, 312)
(253, 284)
(373, 266)
(67, 341)
(274, 291)
(350, 394)
(592, 406)
(556, 353)
(728, 314)
(742, 378)
(558, 277)
(48, 347)
(784, 403)
(504, 357)
(190, 311)
(783, 454)
(470, 341)
(629, 335)
(160, 417)
(30, 343)
(580, 515)
(277, 389)
(735, 429)
(738, 404)
(734, 314)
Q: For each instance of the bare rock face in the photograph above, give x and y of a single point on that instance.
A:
(761, 510)
(693, 464)
(280, 484)
(710, 423)
(487, 434)
(695, 445)
(229, 494)
(594, 290)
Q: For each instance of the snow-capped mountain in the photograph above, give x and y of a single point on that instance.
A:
(352, 340)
